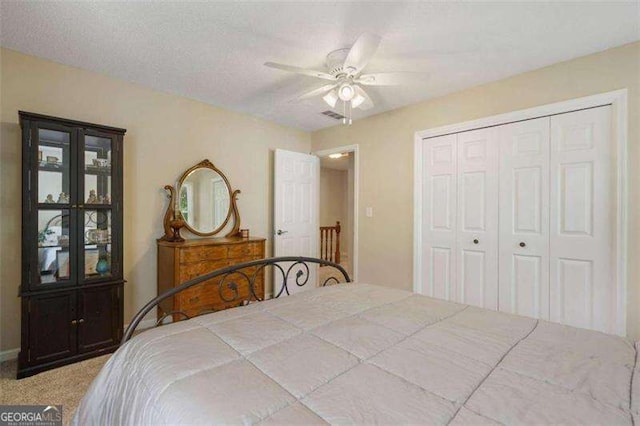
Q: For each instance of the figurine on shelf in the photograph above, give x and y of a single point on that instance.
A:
(106, 199)
(63, 198)
(100, 199)
(93, 199)
(49, 199)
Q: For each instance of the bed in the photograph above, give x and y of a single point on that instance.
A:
(354, 353)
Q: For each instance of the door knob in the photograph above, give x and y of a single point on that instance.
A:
(522, 244)
(280, 232)
(476, 241)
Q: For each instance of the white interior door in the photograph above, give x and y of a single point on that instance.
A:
(439, 188)
(583, 247)
(477, 217)
(524, 218)
(296, 210)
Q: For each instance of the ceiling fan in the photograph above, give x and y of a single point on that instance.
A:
(344, 71)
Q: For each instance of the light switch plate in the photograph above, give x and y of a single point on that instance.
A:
(369, 211)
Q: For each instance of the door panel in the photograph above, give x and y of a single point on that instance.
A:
(296, 223)
(439, 188)
(524, 218)
(98, 318)
(440, 269)
(477, 230)
(52, 335)
(582, 202)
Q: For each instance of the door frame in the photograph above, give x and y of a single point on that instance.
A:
(618, 101)
(355, 149)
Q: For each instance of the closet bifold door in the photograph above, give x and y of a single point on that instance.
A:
(477, 217)
(583, 246)
(524, 218)
(439, 188)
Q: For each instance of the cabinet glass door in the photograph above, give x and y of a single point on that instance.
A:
(95, 185)
(51, 190)
(97, 244)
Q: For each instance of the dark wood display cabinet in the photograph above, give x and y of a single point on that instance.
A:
(72, 283)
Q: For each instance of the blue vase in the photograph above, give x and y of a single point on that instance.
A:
(102, 267)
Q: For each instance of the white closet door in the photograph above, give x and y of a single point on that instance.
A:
(524, 218)
(439, 217)
(583, 279)
(477, 237)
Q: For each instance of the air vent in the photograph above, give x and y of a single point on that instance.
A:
(333, 115)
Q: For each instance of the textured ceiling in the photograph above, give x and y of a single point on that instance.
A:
(214, 52)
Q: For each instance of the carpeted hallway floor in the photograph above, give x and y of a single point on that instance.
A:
(63, 386)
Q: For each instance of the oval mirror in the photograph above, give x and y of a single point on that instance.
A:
(204, 199)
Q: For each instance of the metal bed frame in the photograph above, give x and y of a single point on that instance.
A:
(297, 272)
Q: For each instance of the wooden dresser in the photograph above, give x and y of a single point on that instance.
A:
(179, 262)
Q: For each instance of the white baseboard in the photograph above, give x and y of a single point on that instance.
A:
(9, 354)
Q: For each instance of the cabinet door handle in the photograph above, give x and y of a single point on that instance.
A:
(74, 322)
(81, 320)
(476, 241)
(522, 244)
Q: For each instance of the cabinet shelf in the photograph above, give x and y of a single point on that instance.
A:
(62, 168)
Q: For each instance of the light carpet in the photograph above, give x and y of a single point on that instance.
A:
(63, 386)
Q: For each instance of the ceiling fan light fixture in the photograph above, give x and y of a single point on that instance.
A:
(346, 92)
(357, 100)
(331, 98)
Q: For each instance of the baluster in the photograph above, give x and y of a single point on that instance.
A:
(337, 242)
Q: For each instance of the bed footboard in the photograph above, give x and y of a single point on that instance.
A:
(288, 271)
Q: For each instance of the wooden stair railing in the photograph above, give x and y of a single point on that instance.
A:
(330, 243)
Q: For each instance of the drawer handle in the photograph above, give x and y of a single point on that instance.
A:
(194, 300)
(522, 244)
(476, 241)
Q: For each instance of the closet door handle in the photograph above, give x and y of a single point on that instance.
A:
(476, 241)
(522, 244)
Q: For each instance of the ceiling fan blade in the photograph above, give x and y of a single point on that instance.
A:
(298, 70)
(391, 78)
(315, 92)
(361, 52)
(367, 103)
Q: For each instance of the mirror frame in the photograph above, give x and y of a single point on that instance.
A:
(173, 220)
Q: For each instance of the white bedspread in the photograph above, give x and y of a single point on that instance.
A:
(356, 353)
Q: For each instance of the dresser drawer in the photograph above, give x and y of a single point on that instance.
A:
(188, 255)
(240, 250)
(191, 271)
(197, 254)
(257, 249)
(215, 253)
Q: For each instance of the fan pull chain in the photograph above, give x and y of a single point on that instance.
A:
(344, 112)
(350, 111)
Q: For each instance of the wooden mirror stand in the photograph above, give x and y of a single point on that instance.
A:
(173, 217)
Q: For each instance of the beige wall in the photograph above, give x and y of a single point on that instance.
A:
(333, 201)
(386, 150)
(165, 135)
